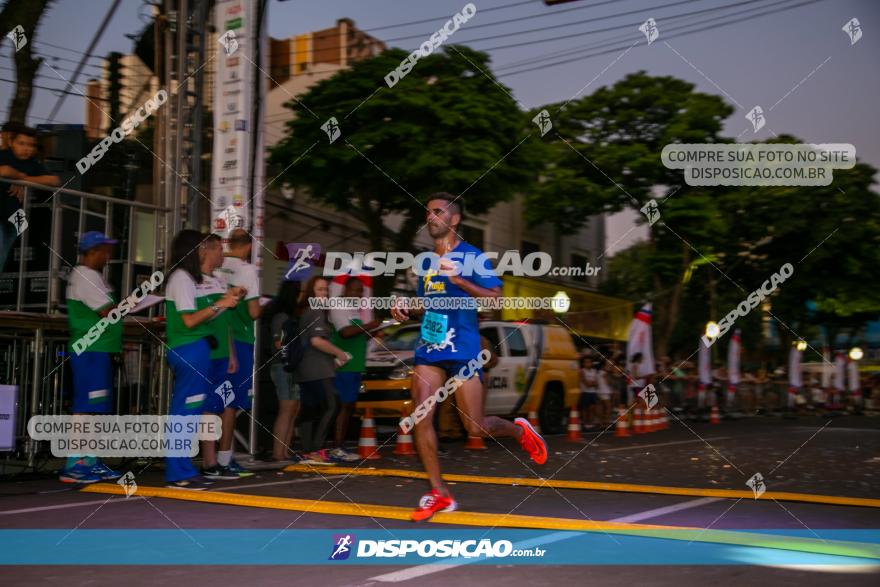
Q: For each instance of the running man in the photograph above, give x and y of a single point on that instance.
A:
(450, 339)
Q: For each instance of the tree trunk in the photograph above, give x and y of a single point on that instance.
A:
(373, 219)
(666, 318)
(402, 241)
(25, 13)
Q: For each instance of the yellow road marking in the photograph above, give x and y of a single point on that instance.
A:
(626, 487)
(484, 520)
(377, 511)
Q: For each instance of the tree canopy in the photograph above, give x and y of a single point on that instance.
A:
(448, 125)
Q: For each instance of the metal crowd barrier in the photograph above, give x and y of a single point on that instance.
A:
(34, 357)
(752, 397)
(33, 325)
(770, 396)
(47, 249)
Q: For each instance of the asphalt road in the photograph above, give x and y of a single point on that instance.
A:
(839, 456)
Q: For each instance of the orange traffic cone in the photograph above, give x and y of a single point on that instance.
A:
(622, 429)
(475, 443)
(638, 422)
(574, 426)
(533, 420)
(655, 421)
(367, 441)
(714, 416)
(404, 446)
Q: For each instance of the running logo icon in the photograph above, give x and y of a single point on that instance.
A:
(228, 219)
(331, 127)
(342, 546)
(542, 119)
(19, 39)
(19, 221)
(226, 393)
(853, 29)
(649, 395)
(303, 257)
(447, 342)
(650, 30)
(756, 117)
(757, 485)
(128, 484)
(651, 212)
(229, 42)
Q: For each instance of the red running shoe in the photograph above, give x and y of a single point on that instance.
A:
(532, 442)
(432, 503)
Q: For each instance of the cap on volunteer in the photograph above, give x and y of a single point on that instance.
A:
(92, 239)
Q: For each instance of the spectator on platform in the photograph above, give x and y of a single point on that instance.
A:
(9, 129)
(18, 162)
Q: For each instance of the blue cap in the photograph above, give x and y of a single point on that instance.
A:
(92, 239)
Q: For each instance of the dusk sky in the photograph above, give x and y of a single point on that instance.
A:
(797, 64)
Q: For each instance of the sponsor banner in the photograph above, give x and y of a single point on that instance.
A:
(235, 22)
(278, 546)
(258, 196)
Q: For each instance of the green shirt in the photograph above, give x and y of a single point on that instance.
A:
(238, 273)
(356, 346)
(87, 294)
(181, 297)
(209, 291)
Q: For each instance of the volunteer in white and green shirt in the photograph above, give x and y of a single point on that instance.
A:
(236, 272)
(187, 314)
(89, 299)
(223, 362)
